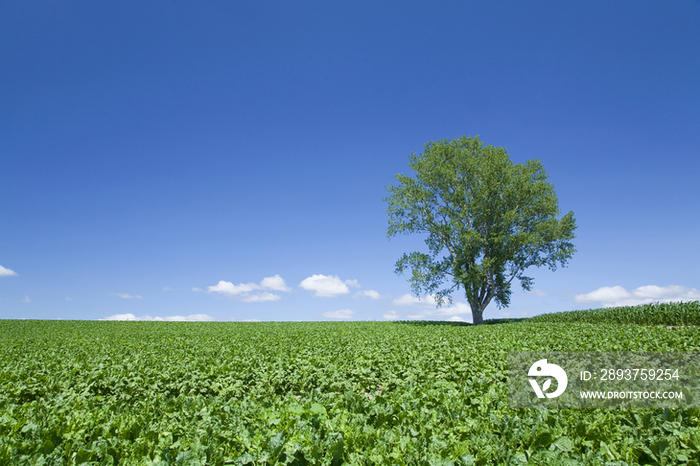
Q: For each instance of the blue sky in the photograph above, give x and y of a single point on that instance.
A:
(228, 160)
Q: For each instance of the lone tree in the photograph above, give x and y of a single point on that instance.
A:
(487, 220)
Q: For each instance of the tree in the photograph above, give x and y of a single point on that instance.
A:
(487, 220)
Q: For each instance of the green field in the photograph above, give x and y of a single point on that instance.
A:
(83, 392)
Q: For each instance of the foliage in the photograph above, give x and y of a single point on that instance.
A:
(487, 221)
(675, 314)
(361, 393)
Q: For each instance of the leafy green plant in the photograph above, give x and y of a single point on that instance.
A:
(321, 393)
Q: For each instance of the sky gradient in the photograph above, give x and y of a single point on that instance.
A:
(228, 160)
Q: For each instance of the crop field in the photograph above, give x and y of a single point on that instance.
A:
(669, 314)
(322, 393)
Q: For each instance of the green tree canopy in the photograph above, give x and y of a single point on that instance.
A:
(487, 220)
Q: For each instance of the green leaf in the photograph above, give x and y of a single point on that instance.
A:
(317, 409)
(564, 444)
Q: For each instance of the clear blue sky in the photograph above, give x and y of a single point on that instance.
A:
(227, 160)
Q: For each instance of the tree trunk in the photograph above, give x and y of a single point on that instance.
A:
(477, 315)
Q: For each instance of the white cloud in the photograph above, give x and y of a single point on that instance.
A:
(410, 300)
(127, 296)
(123, 317)
(327, 285)
(25, 300)
(618, 296)
(259, 297)
(69, 299)
(353, 283)
(456, 308)
(604, 294)
(189, 318)
(251, 320)
(6, 272)
(406, 300)
(167, 288)
(455, 319)
(428, 307)
(391, 315)
(671, 292)
(369, 293)
(274, 283)
(341, 314)
(243, 290)
(230, 289)
(539, 293)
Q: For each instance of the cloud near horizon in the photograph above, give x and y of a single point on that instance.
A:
(127, 296)
(189, 318)
(260, 297)
(328, 286)
(410, 300)
(616, 296)
(429, 310)
(275, 283)
(341, 314)
(6, 272)
(391, 315)
(369, 293)
(251, 292)
(456, 319)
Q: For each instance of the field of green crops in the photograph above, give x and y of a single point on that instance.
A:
(131, 393)
(670, 314)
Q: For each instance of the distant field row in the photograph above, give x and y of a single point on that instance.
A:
(76, 392)
(670, 314)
